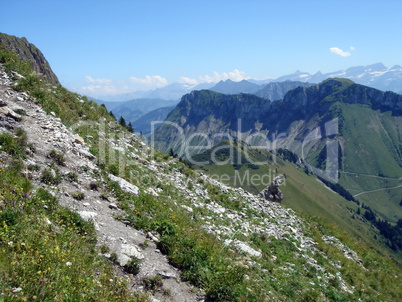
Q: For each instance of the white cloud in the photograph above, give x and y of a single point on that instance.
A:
(186, 80)
(102, 87)
(235, 75)
(340, 52)
(150, 81)
(98, 87)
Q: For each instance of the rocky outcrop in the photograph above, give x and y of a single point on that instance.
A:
(29, 52)
(272, 191)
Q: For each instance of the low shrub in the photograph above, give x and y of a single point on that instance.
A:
(133, 266)
(51, 177)
(78, 195)
(57, 157)
(152, 283)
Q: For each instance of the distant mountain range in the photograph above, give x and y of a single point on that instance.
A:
(141, 112)
(375, 75)
(152, 120)
(270, 91)
(365, 123)
(135, 109)
(141, 102)
(172, 91)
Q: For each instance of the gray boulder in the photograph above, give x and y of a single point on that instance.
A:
(272, 191)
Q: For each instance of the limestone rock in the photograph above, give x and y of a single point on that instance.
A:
(10, 113)
(113, 206)
(125, 185)
(79, 140)
(243, 247)
(127, 252)
(87, 215)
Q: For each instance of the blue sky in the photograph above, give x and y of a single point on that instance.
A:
(109, 47)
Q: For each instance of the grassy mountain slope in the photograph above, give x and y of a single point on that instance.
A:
(304, 193)
(225, 241)
(47, 251)
(374, 166)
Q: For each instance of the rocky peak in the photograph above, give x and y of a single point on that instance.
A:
(28, 51)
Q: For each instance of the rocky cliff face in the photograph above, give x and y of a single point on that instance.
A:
(28, 51)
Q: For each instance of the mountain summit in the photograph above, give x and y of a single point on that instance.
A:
(30, 52)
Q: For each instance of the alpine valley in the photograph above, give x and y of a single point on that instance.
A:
(90, 212)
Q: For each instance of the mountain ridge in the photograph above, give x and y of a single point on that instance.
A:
(296, 104)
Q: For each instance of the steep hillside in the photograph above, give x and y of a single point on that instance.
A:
(211, 113)
(111, 219)
(372, 171)
(243, 115)
(252, 169)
